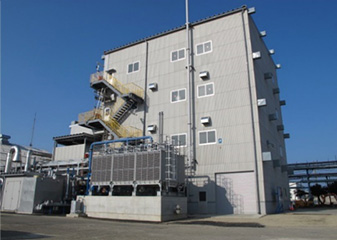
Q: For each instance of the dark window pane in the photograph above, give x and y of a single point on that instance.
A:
(136, 66)
(202, 138)
(209, 89)
(174, 56)
(182, 94)
(211, 137)
(174, 96)
(201, 91)
(208, 47)
(200, 48)
(181, 53)
(175, 140)
(130, 68)
(182, 140)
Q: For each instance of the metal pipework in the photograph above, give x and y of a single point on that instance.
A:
(127, 140)
(27, 165)
(14, 155)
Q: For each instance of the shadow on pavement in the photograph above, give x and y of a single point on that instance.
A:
(224, 224)
(9, 235)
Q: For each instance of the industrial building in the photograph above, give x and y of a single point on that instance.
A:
(187, 121)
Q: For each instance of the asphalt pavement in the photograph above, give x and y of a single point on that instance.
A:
(289, 226)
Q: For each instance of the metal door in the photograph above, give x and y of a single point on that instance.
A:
(236, 193)
(12, 193)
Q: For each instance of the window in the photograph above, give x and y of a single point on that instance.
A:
(179, 140)
(178, 95)
(207, 137)
(206, 90)
(204, 48)
(133, 67)
(178, 55)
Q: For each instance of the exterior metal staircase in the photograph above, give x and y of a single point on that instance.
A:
(128, 96)
(123, 111)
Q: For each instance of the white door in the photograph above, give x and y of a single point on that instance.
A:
(12, 193)
(236, 193)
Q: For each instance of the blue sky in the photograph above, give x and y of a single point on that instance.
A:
(50, 47)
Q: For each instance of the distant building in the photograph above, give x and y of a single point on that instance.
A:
(234, 138)
(5, 146)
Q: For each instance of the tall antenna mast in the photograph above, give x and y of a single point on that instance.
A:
(31, 139)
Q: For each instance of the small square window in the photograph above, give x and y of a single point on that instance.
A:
(179, 140)
(177, 55)
(178, 95)
(206, 90)
(204, 48)
(133, 67)
(207, 137)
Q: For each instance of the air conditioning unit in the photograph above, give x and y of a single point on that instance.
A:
(151, 128)
(205, 120)
(153, 86)
(273, 117)
(251, 10)
(263, 33)
(278, 66)
(266, 156)
(286, 135)
(268, 75)
(280, 127)
(276, 91)
(261, 102)
(256, 55)
(276, 163)
(271, 51)
(204, 75)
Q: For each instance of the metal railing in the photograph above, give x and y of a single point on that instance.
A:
(122, 88)
(89, 115)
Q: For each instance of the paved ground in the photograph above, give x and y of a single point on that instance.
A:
(292, 226)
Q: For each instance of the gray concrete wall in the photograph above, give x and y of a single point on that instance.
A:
(73, 152)
(154, 209)
(271, 139)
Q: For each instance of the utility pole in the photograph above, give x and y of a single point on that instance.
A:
(33, 128)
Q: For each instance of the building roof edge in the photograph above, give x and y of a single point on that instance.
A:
(201, 21)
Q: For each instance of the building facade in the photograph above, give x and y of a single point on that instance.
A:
(235, 131)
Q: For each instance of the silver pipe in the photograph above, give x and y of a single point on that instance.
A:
(189, 89)
(8, 163)
(14, 155)
(27, 165)
(17, 153)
